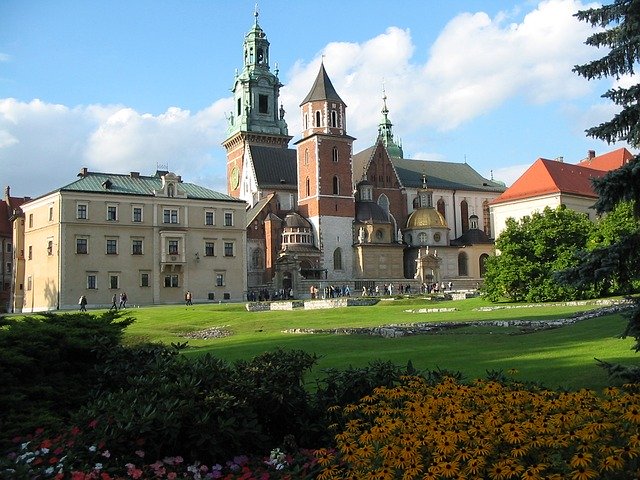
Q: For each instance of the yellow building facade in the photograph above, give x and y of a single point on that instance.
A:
(154, 238)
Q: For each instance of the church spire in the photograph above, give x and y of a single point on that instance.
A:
(256, 89)
(385, 130)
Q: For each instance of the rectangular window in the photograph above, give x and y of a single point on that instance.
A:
(173, 247)
(228, 249)
(144, 279)
(92, 283)
(9, 268)
(263, 103)
(82, 246)
(170, 215)
(209, 218)
(29, 282)
(31, 220)
(30, 255)
(112, 213)
(228, 219)
(112, 246)
(51, 214)
(171, 281)
(137, 214)
(209, 249)
(220, 279)
(136, 247)
(114, 281)
(49, 247)
(82, 211)
(9, 248)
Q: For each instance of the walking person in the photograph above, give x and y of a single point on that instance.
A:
(83, 303)
(187, 298)
(114, 304)
(123, 300)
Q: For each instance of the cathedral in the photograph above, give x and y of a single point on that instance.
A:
(320, 214)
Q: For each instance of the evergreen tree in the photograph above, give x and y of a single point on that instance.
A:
(619, 33)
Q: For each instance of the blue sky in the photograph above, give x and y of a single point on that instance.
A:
(125, 85)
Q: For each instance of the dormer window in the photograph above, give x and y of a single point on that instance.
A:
(170, 190)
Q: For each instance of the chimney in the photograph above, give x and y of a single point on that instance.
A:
(83, 172)
(560, 159)
(135, 174)
(7, 193)
(591, 154)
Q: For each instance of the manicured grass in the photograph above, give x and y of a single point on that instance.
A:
(562, 357)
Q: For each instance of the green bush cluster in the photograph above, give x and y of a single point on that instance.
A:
(71, 371)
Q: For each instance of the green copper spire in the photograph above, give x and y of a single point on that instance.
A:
(385, 131)
(256, 89)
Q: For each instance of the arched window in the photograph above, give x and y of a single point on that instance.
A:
(307, 186)
(440, 208)
(463, 264)
(336, 186)
(337, 259)
(257, 259)
(239, 107)
(334, 118)
(383, 201)
(422, 238)
(486, 218)
(318, 119)
(464, 215)
(335, 154)
(483, 264)
(416, 202)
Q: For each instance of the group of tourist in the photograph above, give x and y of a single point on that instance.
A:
(436, 287)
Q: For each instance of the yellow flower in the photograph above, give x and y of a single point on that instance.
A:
(632, 414)
(581, 459)
(583, 473)
(448, 469)
(612, 463)
(324, 456)
(498, 472)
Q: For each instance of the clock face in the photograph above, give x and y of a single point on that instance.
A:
(235, 178)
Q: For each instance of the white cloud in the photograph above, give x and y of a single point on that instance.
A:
(36, 136)
(509, 174)
(477, 64)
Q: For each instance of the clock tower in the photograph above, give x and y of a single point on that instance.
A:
(256, 118)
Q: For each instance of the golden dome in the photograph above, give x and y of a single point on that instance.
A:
(427, 217)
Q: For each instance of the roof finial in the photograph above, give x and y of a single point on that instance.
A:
(256, 13)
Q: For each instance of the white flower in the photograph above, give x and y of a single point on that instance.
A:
(92, 448)
(98, 466)
(48, 471)
(44, 450)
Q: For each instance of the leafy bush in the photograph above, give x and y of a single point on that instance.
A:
(202, 408)
(47, 367)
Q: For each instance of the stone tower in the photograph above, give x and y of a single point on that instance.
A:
(256, 118)
(325, 190)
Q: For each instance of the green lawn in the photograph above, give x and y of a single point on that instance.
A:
(562, 357)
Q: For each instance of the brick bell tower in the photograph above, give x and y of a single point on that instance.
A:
(256, 118)
(325, 190)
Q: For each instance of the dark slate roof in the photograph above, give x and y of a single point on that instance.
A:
(473, 236)
(371, 212)
(322, 88)
(118, 184)
(253, 212)
(444, 175)
(274, 167)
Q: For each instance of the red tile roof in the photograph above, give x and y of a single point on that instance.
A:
(551, 176)
(608, 161)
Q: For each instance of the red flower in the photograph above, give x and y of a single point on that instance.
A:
(46, 443)
(78, 476)
(53, 460)
(93, 423)
(39, 431)
(75, 431)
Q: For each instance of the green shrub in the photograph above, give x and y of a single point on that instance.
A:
(47, 367)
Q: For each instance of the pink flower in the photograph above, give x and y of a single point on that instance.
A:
(172, 476)
(140, 453)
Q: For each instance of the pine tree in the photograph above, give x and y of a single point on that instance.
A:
(619, 32)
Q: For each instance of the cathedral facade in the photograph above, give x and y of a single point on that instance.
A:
(321, 214)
